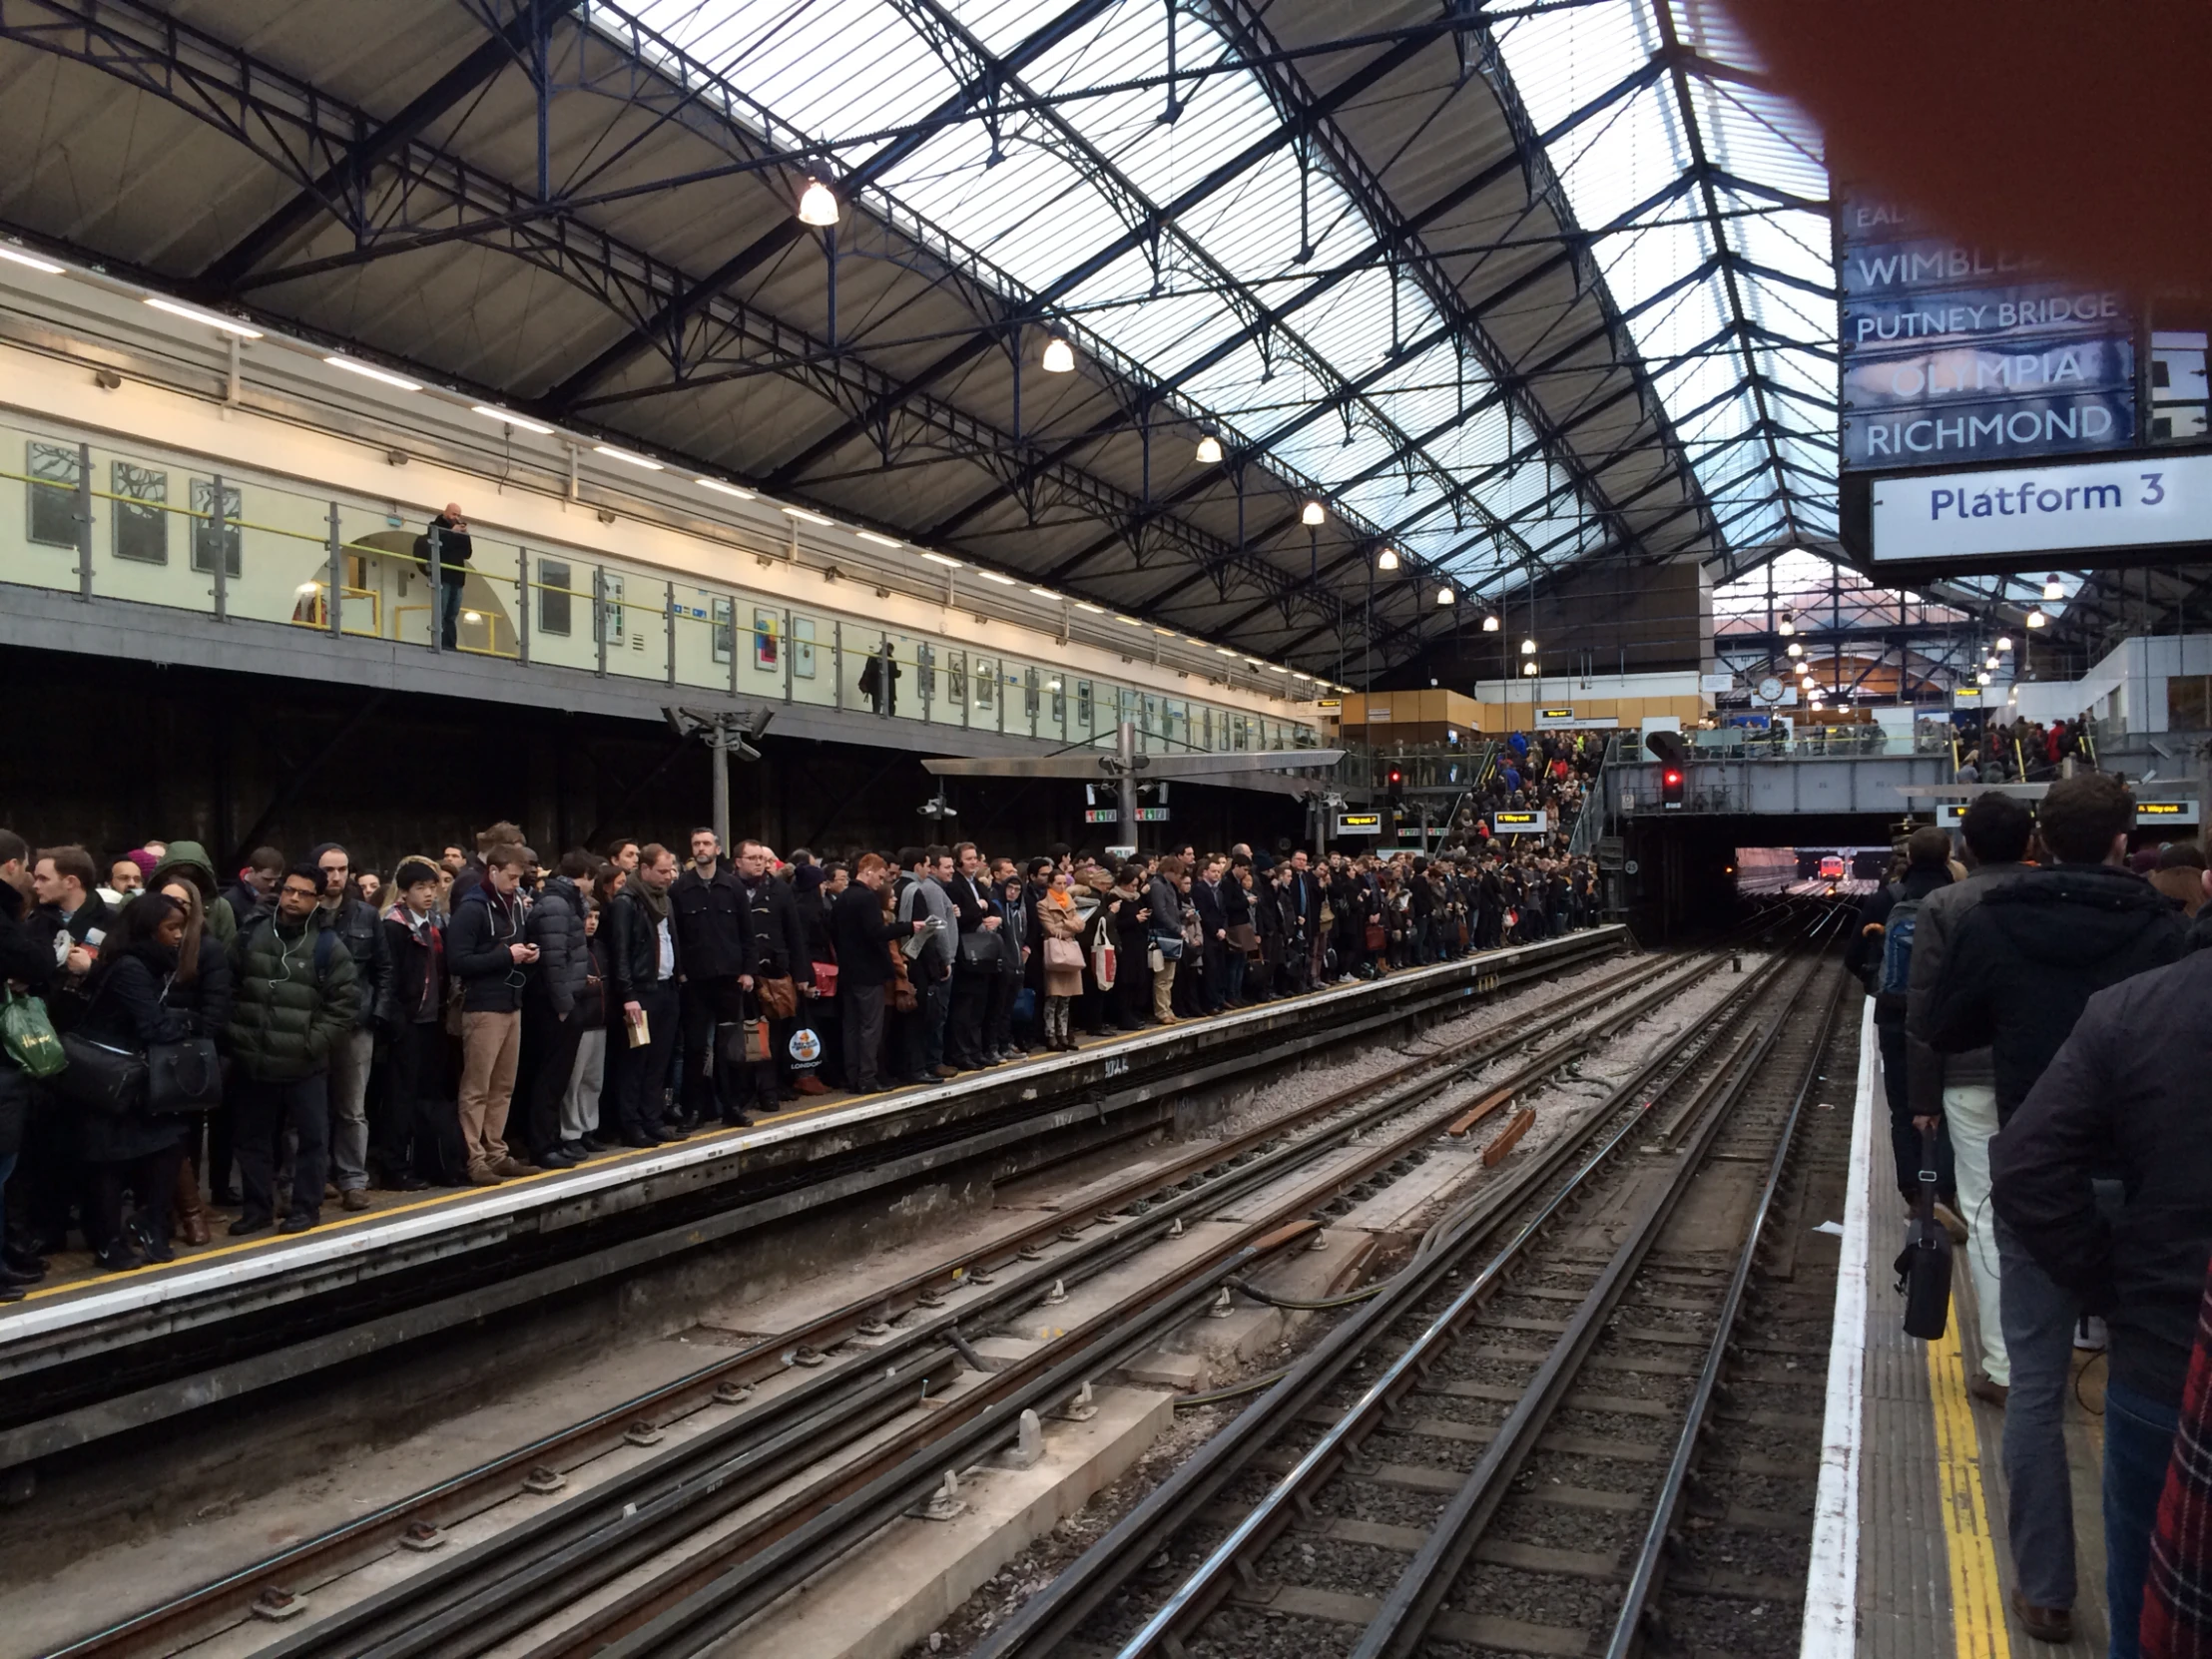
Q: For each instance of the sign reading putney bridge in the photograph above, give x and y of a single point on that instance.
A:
(1957, 356)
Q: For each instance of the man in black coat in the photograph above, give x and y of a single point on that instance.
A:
(975, 962)
(2127, 1094)
(25, 967)
(1212, 927)
(710, 929)
(2020, 966)
(775, 946)
(454, 550)
(643, 961)
(552, 1026)
(354, 921)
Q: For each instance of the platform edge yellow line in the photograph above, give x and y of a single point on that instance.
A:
(1978, 1626)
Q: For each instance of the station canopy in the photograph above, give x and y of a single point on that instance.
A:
(1108, 296)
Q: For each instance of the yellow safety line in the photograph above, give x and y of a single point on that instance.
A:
(1978, 1628)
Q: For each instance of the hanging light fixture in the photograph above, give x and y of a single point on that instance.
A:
(818, 204)
(2053, 589)
(1386, 559)
(1982, 679)
(2005, 642)
(1058, 358)
(1528, 648)
(2036, 619)
(1796, 650)
(1313, 515)
(1991, 661)
(1209, 449)
(1444, 596)
(1490, 625)
(1528, 668)
(1787, 626)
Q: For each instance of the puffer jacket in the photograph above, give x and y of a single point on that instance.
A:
(2025, 962)
(295, 998)
(556, 927)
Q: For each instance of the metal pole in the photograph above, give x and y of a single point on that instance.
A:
(221, 556)
(717, 741)
(670, 610)
(598, 612)
(837, 664)
(1125, 744)
(522, 604)
(790, 651)
(84, 521)
(337, 574)
(437, 592)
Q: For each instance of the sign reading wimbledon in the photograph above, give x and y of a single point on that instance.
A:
(2042, 509)
(1954, 355)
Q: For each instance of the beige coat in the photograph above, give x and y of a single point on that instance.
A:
(1060, 923)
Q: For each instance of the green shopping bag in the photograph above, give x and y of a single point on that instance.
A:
(28, 1035)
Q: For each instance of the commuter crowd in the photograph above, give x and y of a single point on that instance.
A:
(2041, 995)
(299, 1032)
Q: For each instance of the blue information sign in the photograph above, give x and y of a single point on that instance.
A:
(1953, 353)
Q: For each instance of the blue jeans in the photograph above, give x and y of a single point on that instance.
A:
(449, 614)
(2138, 1440)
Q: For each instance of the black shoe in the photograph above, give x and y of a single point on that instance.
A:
(22, 1263)
(741, 1120)
(296, 1224)
(640, 1140)
(117, 1256)
(409, 1184)
(574, 1152)
(156, 1250)
(666, 1135)
(554, 1157)
(11, 1293)
(247, 1223)
(225, 1198)
(11, 1280)
(593, 1144)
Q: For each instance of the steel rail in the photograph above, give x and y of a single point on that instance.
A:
(1053, 1615)
(490, 1584)
(469, 1491)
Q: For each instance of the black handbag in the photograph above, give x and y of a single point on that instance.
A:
(100, 1078)
(979, 952)
(1923, 1267)
(183, 1078)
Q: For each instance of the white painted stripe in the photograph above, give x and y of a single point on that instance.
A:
(354, 1242)
(1832, 1579)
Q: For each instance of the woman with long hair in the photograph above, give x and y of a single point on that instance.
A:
(1061, 921)
(202, 983)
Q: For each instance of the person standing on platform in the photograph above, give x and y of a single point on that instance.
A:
(587, 1078)
(355, 925)
(2129, 1094)
(931, 967)
(2019, 967)
(415, 1133)
(862, 931)
(710, 932)
(1959, 1090)
(552, 1002)
(643, 962)
(775, 966)
(296, 1000)
(975, 962)
(488, 955)
(454, 549)
(1014, 952)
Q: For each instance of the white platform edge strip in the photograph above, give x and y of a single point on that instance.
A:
(148, 1290)
(1831, 1577)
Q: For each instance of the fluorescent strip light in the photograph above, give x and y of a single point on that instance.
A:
(230, 325)
(369, 372)
(721, 488)
(1165, 633)
(1002, 581)
(1224, 650)
(942, 559)
(1046, 593)
(490, 412)
(1083, 604)
(810, 518)
(881, 541)
(16, 256)
(614, 454)
(1132, 621)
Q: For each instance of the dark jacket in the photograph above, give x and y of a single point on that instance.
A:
(25, 961)
(134, 1003)
(556, 927)
(289, 1016)
(455, 549)
(357, 926)
(245, 904)
(1863, 955)
(863, 934)
(416, 994)
(2127, 1091)
(591, 1005)
(776, 945)
(189, 862)
(2025, 962)
(709, 915)
(484, 925)
(1926, 1071)
(972, 907)
(633, 950)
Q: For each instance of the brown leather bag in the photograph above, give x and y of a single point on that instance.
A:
(778, 998)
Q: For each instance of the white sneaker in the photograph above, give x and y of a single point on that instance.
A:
(2089, 1335)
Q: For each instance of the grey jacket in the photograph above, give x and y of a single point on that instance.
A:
(1926, 1071)
(926, 898)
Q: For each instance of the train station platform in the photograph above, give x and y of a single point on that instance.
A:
(88, 1356)
(1911, 1558)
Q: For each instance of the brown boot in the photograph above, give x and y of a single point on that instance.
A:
(2045, 1624)
(190, 1221)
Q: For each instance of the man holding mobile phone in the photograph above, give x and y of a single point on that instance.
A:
(487, 954)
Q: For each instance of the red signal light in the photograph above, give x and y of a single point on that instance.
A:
(1673, 776)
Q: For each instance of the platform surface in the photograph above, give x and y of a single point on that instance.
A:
(1910, 1554)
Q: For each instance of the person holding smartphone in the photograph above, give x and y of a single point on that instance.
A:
(487, 953)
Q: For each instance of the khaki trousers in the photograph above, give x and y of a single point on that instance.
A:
(490, 1045)
(1163, 992)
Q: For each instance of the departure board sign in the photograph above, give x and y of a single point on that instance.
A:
(2161, 501)
(1519, 824)
(1957, 355)
(1359, 824)
(2157, 813)
(1112, 814)
(1553, 717)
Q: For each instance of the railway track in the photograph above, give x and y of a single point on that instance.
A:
(1509, 1444)
(752, 1423)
